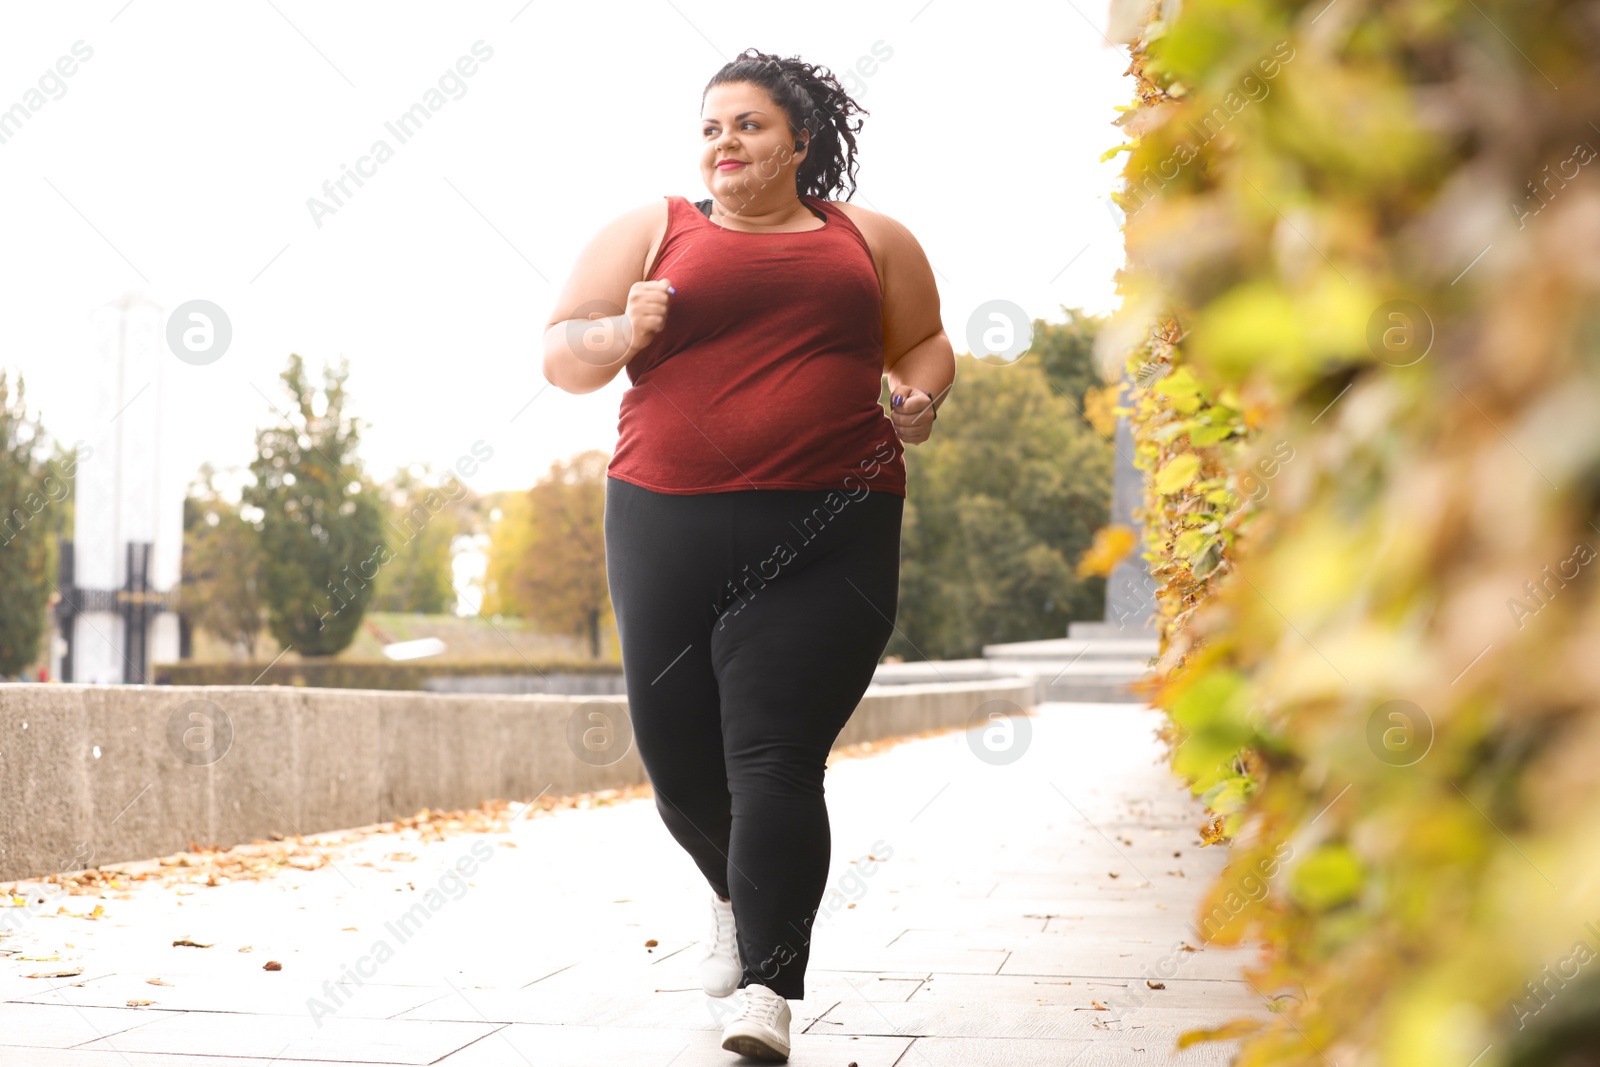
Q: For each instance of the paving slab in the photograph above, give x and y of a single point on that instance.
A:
(340, 1040)
(64, 1025)
(978, 911)
(78, 1057)
(958, 1052)
(595, 1046)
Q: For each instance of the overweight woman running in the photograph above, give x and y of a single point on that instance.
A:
(753, 502)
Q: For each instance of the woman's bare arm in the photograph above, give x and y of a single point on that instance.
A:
(588, 338)
(916, 352)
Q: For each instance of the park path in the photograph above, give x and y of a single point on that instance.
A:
(980, 913)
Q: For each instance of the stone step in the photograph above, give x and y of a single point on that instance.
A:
(1086, 680)
(1090, 631)
(1068, 649)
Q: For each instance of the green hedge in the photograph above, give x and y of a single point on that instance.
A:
(1363, 303)
(362, 674)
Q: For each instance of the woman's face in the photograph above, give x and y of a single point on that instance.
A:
(741, 125)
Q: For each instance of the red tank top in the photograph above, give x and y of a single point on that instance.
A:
(768, 372)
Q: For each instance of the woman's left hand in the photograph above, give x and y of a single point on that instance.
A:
(913, 416)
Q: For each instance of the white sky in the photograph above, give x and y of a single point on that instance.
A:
(194, 135)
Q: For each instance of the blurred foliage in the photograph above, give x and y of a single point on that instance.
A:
(26, 556)
(424, 513)
(547, 552)
(1065, 352)
(1363, 249)
(510, 536)
(320, 524)
(1111, 543)
(221, 586)
(986, 559)
(368, 674)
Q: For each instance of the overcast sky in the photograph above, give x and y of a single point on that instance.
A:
(177, 158)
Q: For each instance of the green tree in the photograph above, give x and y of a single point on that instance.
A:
(423, 517)
(1001, 502)
(25, 537)
(320, 525)
(1065, 350)
(221, 587)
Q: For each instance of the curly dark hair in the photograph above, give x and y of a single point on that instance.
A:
(815, 102)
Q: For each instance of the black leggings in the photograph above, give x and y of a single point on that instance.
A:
(751, 623)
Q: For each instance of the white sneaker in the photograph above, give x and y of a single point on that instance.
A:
(762, 1029)
(721, 969)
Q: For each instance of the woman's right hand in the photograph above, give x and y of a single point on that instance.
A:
(646, 313)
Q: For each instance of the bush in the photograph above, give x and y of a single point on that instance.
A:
(358, 674)
(1361, 303)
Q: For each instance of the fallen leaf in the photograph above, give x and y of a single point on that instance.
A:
(652, 943)
(272, 965)
(156, 981)
(246, 948)
(186, 943)
(1114, 874)
(68, 973)
(140, 1003)
(1155, 985)
(1226, 1032)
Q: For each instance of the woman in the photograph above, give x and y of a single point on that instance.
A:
(753, 503)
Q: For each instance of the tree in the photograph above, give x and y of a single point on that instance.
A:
(221, 591)
(320, 526)
(558, 575)
(1002, 500)
(423, 518)
(25, 541)
(1065, 350)
(510, 540)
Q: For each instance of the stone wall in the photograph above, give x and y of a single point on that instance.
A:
(94, 775)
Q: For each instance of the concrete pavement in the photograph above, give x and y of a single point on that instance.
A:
(1010, 896)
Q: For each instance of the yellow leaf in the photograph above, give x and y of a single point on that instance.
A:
(1180, 382)
(1099, 407)
(1226, 1032)
(1178, 472)
(1111, 544)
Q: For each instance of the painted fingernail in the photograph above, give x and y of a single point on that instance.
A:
(896, 401)
(671, 290)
